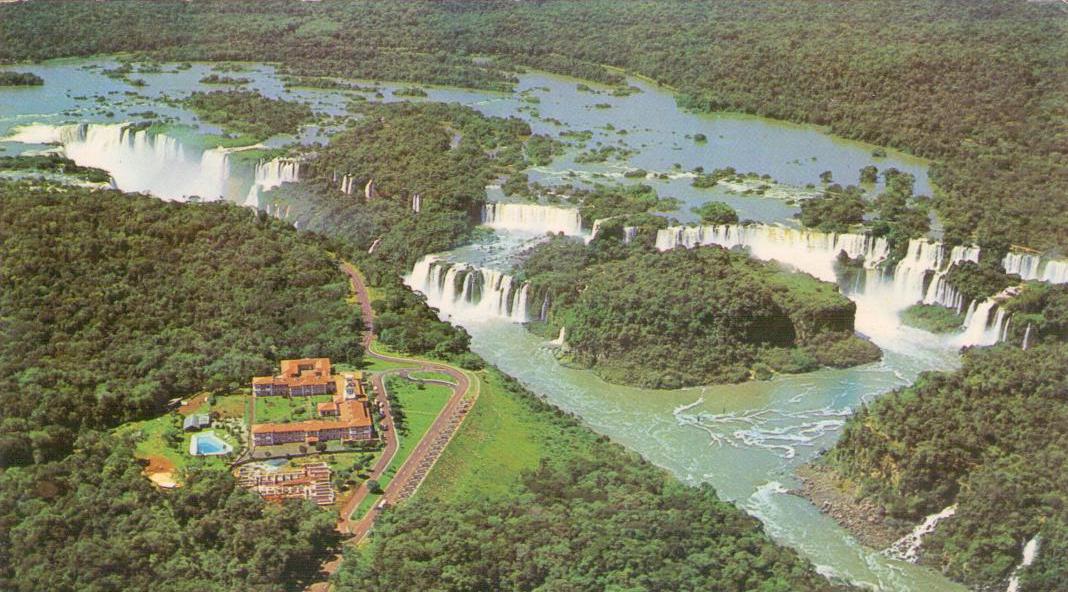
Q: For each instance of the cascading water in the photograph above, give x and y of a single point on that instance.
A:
(532, 218)
(920, 276)
(269, 175)
(908, 547)
(137, 160)
(809, 251)
(462, 291)
(1030, 553)
(1035, 267)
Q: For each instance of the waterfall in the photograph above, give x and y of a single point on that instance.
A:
(807, 250)
(1035, 267)
(629, 232)
(137, 160)
(987, 322)
(532, 218)
(907, 548)
(269, 175)
(463, 291)
(560, 340)
(417, 203)
(369, 192)
(1027, 337)
(920, 276)
(1030, 553)
(346, 184)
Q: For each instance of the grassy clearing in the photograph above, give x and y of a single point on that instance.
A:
(502, 436)
(162, 437)
(424, 375)
(276, 409)
(421, 406)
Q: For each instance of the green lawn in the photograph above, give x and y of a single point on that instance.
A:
(421, 407)
(230, 405)
(501, 437)
(275, 409)
(163, 436)
(433, 376)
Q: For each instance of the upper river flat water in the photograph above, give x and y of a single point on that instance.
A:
(746, 440)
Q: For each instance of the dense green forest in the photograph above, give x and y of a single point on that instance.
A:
(249, 113)
(113, 304)
(444, 154)
(92, 522)
(689, 316)
(591, 517)
(978, 86)
(992, 438)
(20, 79)
(54, 163)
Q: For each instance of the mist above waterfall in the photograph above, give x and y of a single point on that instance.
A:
(532, 218)
(140, 161)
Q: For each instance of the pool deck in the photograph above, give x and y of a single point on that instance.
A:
(194, 449)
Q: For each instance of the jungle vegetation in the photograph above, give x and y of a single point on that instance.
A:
(249, 113)
(112, 304)
(992, 438)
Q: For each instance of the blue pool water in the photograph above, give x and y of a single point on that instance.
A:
(208, 444)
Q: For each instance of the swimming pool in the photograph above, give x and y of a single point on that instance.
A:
(208, 444)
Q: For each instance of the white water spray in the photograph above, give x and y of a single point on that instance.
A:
(907, 548)
(269, 175)
(138, 161)
(1030, 553)
(471, 293)
(1035, 267)
(532, 218)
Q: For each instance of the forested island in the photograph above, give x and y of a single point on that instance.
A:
(689, 317)
(249, 113)
(20, 79)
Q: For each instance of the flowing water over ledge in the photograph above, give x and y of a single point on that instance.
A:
(745, 439)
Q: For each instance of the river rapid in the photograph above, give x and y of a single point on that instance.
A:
(745, 440)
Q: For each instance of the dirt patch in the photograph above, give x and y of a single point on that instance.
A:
(864, 519)
(160, 470)
(193, 404)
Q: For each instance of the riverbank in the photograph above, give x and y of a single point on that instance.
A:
(838, 498)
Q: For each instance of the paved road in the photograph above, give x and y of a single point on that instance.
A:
(415, 468)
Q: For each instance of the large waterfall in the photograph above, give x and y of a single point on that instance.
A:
(137, 160)
(471, 293)
(880, 294)
(809, 251)
(271, 174)
(532, 218)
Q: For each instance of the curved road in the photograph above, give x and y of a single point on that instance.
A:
(410, 475)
